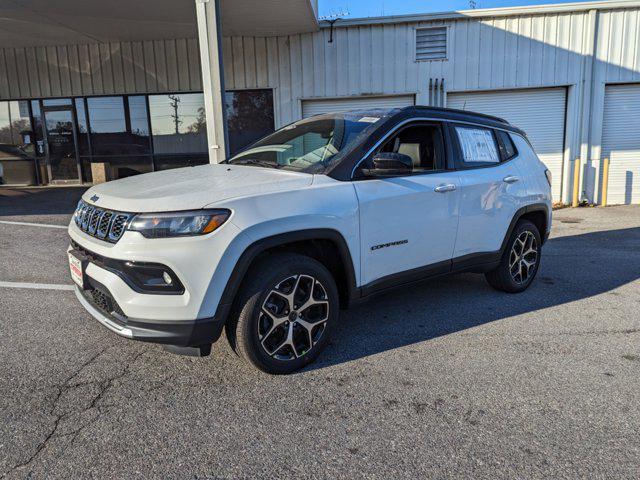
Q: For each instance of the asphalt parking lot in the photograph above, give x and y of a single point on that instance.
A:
(447, 379)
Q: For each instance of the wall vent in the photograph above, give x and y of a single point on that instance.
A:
(431, 43)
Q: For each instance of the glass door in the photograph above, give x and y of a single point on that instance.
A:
(62, 152)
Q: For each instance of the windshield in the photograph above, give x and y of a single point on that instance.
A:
(310, 145)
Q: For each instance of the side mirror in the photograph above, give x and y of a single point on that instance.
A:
(387, 164)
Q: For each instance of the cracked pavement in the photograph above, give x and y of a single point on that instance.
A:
(448, 379)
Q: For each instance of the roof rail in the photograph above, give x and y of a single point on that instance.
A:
(463, 112)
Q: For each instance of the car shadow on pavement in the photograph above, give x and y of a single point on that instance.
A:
(573, 268)
(15, 201)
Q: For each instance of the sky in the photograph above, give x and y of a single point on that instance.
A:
(376, 8)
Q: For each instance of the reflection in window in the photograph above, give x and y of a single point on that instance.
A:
(16, 135)
(83, 128)
(109, 132)
(139, 121)
(56, 102)
(108, 125)
(120, 135)
(17, 149)
(83, 140)
(178, 123)
(249, 117)
(37, 129)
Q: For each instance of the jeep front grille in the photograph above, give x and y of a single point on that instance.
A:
(104, 224)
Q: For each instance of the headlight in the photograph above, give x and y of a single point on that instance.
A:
(178, 224)
(547, 174)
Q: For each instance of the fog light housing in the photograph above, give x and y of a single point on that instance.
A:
(152, 278)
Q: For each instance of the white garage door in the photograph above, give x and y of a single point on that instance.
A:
(316, 107)
(539, 112)
(621, 142)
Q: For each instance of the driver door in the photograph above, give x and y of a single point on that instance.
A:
(408, 223)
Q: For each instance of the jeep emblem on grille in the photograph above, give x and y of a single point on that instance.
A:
(95, 198)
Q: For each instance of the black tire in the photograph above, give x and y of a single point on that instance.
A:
(250, 327)
(502, 278)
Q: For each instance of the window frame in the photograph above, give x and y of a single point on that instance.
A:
(497, 134)
(392, 134)
(460, 163)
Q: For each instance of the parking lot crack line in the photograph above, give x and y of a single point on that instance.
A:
(60, 390)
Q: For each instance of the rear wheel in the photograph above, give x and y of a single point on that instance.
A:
(520, 260)
(284, 314)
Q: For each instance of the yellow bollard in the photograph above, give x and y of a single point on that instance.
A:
(576, 182)
(605, 181)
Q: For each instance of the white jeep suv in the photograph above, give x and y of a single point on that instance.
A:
(322, 213)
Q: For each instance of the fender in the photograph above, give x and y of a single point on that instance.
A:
(534, 207)
(259, 246)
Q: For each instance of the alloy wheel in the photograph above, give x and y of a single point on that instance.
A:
(523, 257)
(293, 317)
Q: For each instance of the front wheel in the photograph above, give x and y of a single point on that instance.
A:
(286, 309)
(520, 260)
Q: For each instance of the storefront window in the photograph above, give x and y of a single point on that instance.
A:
(178, 123)
(249, 117)
(83, 140)
(17, 149)
(120, 135)
(108, 125)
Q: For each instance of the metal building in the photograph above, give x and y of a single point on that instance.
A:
(568, 74)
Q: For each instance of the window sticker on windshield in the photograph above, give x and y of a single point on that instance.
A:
(369, 119)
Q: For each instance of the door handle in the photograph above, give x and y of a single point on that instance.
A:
(445, 187)
(511, 179)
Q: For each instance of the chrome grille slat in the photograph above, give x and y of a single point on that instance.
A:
(104, 224)
(93, 221)
(101, 223)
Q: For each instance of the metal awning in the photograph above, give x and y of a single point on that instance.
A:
(26, 23)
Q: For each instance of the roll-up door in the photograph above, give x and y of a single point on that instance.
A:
(316, 107)
(621, 142)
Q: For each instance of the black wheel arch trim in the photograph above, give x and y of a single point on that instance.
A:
(255, 249)
(534, 207)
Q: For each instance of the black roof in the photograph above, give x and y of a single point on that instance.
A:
(439, 113)
(466, 113)
(459, 115)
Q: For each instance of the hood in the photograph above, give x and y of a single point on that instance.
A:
(191, 187)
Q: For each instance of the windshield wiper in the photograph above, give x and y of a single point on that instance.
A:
(254, 161)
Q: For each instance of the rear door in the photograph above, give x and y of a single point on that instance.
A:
(408, 223)
(492, 189)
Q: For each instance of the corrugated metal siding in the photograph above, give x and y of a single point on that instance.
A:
(521, 51)
(98, 69)
(621, 142)
(539, 112)
(316, 107)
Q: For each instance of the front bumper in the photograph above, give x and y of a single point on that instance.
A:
(182, 333)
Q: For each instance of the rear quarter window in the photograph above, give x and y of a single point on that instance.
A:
(505, 145)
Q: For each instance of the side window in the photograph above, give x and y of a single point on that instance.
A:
(505, 145)
(477, 145)
(424, 143)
